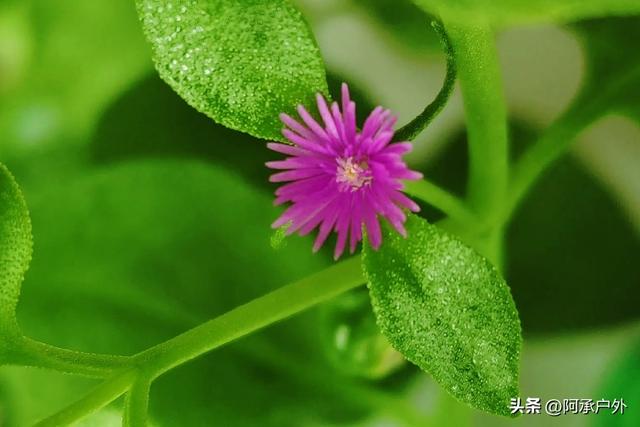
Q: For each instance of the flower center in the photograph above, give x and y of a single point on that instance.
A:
(352, 175)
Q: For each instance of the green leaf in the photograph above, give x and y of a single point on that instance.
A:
(503, 12)
(448, 310)
(15, 248)
(241, 63)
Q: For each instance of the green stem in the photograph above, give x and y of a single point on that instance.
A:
(411, 130)
(29, 352)
(486, 115)
(252, 316)
(442, 200)
(243, 320)
(548, 148)
(100, 397)
(586, 109)
(487, 131)
(136, 404)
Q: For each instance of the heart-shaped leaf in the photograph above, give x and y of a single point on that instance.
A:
(15, 248)
(241, 63)
(448, 310)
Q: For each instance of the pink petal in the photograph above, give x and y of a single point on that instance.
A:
(296, 126)
(287, 149)
(304, 186)
(373, 226)
(303, 142)
(295, 174)
(405, 202)
(313, 125)
(356, 224)
(320, 217)
(372, 123)
(310, 215)
(346, 98)
(350, 128)
(293, 163)
(325, 229)
(396, 218)
(342, 228)
(318, 200)
(286, 216)
(388, 123)
(380, 141)
(409, 175)
(349, 115)
(399, 148)
(337, 116)
(326, 117)
(399, 226)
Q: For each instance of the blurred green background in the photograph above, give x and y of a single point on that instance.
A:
(149, 219)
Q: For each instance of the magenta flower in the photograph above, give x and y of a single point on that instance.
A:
(341, 178)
